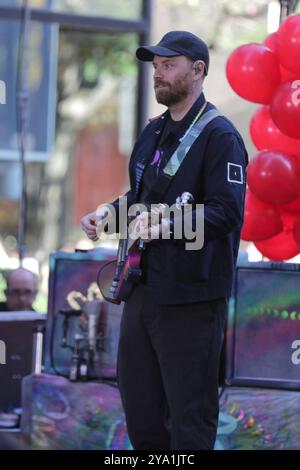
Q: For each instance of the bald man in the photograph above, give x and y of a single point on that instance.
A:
(21, 290)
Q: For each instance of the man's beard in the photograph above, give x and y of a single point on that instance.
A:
(172, 94)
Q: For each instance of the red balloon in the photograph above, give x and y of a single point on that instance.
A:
(288, 76)
(285, 108)
(285, 75)
(289, 43)
(271, 42)
(288, 221)
(261, 220)
(274, 177)
(283, 246)
(279, 248)
(266, 135)
(253, 72)
(296, 231)
(293, 207)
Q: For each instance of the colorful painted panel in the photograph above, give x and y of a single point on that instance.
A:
(58, 414)
(257, 419)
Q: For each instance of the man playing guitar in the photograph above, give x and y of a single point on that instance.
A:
(173, 320)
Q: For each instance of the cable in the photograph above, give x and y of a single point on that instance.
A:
(99, 283)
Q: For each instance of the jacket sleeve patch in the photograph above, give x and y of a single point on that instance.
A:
(234, 173)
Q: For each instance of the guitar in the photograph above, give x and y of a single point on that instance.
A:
(124, 273)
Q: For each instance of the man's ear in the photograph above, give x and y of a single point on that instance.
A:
(198, 67)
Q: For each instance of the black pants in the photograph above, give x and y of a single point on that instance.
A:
(168, 365)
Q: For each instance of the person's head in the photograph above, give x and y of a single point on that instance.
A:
(21, 289)
(180, 61)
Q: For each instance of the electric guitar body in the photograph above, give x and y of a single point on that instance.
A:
(117, 279)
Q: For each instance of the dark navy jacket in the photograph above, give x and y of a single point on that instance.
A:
(173, 274)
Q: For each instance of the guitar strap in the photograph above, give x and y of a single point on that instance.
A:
(164, 180)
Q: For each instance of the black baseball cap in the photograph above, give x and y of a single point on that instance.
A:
(176, 43)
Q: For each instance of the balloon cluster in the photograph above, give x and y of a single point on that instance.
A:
(269, 74)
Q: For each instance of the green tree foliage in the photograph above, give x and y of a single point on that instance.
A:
(224, 24)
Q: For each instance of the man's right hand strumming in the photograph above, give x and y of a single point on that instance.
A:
(94, 223)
